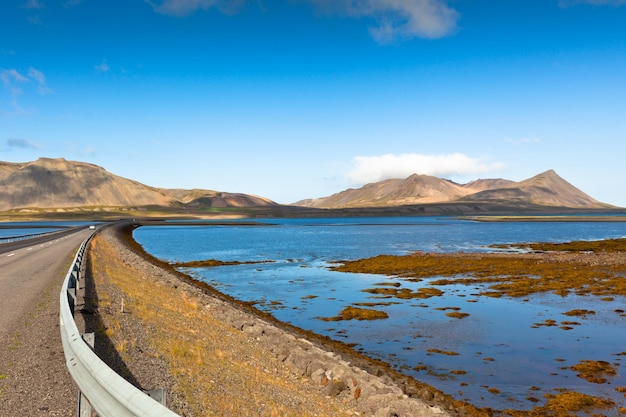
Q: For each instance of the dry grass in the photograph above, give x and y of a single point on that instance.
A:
(218, 369)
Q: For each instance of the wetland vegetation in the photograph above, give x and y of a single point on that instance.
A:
(596, 268)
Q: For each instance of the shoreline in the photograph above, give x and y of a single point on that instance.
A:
(369, 386)
(544, 218)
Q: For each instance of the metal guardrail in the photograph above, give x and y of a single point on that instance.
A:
(107, 393)
(11, 239)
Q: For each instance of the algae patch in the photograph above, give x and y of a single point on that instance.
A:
(356, 313)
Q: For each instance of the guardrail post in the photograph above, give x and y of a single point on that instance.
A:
(157, 395)
(71, 300)
(84, 408)
(90, 339)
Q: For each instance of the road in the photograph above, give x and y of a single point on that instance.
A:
(33, 376)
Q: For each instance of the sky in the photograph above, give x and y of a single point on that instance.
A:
(295, 99)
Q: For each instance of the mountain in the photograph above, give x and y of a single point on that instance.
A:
(61, 185)
(546, 189)
(209, 198)
(487, 184)
(416, 189)
(58, 183)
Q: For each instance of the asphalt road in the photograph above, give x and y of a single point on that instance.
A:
(33, 376)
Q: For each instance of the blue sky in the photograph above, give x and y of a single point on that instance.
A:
(292, 99)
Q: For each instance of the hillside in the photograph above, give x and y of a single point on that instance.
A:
(58, 183)
(208, 198)
(546, 189)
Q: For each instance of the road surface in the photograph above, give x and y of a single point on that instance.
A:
(33, 377)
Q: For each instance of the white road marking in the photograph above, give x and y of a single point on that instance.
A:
(11, 254)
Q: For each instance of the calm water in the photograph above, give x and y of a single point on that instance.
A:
(498, 344)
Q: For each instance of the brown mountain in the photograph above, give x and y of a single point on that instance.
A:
(487, 184)
(416, 189)
(546, 189)
(209, 198)
(58, 183)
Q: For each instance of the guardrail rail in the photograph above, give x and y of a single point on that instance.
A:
(106, 392)
(19, 238)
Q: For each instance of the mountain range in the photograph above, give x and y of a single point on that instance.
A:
(545, 189)
(57, 183)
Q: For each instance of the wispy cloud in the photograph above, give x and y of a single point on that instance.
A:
(12, 144)
(71, 3)
(33, 4)
(35, 20)
(523, 141)
(181, 8)
(568, 3)
(394, 19)
(13, 82)
(398, 19)
(366, 169)
(102, 67)
(38, 76)
(9, 76)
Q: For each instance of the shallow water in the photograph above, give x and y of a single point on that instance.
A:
(501, 345)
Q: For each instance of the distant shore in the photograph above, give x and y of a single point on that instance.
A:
(545, 218)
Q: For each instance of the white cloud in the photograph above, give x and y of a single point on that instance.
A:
(395, 19)
(398, 19)
(181, 8)
(367, 169)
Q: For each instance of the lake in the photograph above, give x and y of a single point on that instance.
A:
(497, 356)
